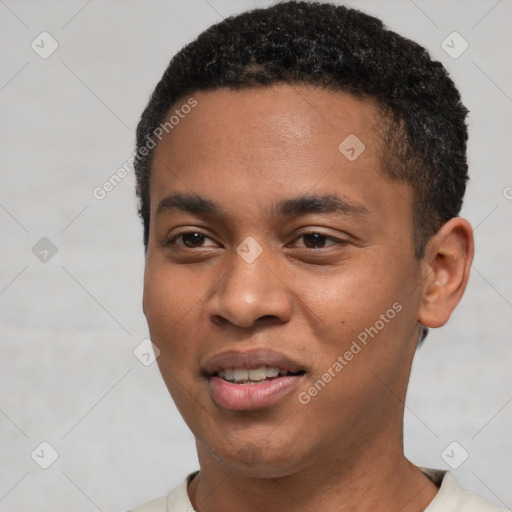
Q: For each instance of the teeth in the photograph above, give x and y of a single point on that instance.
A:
(258, 373)
(254, 374)
(272, 372)
(240, 374)
(227, 374)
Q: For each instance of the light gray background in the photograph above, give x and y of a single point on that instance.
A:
(68, 326)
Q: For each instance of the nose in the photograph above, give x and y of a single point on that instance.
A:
(250, 294)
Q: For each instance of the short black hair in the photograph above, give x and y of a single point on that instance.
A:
(341, 49)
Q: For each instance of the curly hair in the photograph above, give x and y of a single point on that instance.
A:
(340, 49)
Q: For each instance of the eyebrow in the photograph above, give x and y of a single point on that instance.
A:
(331, 203)
(190, 203)
(297, 206)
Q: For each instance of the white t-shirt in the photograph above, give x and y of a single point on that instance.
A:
(450, 497)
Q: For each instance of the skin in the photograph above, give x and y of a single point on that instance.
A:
(246, 151)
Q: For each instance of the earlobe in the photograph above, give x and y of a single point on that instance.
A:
(446, 266)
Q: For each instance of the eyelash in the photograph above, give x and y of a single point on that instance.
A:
(172, 241)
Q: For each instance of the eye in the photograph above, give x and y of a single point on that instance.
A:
(316, 240)
(190, 240)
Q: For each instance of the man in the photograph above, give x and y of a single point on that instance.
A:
(300, 171)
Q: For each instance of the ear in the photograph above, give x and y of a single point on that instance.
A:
(445, 268)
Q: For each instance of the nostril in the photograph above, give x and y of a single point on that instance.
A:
(219, 320)
(268, 320)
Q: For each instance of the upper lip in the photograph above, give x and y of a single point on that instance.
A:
(254, 358)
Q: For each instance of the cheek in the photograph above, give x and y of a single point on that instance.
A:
(170, 305)
(167, 294)
(344, 301)
(364, 309)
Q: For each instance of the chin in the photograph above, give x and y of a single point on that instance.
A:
(258, 458)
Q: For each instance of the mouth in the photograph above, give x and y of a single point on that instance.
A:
(243, 376)
(243, 381)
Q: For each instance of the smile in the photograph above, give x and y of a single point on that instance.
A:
(245, 376)
(244, 381)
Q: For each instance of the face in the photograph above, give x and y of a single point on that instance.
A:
(281, 285)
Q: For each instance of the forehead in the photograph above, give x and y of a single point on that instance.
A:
(273, 142)
(279, 115)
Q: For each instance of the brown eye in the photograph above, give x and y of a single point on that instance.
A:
(314, 240)
(192, 239)
(318, 240)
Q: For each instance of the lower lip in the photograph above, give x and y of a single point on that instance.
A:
(249, 397)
